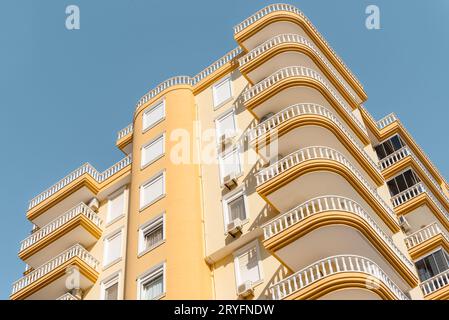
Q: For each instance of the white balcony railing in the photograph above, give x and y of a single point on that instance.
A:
(67, 296)
(80, 209)
(292, 38)
(289, 8)
(306, 109)
(396, 156)
(331, 266)
(435, 283)
(318, 152)
(75, 251)
(298, 71)
(325, 204)
(84, 169)
(408, 194)
(424, 234)
(385, 121)
(187, 80)
(125, 131)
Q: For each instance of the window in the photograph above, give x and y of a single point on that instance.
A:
(151, 234)
(153, 150)
(152, 190)
(112, 248)
(234, 207)
(153, 115)
(230, 163)
(152, 285)
(247, 263)
(432, 265)
(222, 92)
(225, 125)
(402, 182)
(110, 289)
(388, 147)
(116, 205)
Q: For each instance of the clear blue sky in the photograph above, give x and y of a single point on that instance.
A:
(64, 94)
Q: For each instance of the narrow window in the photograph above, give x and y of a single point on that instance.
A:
(222, 92)
(153, 115)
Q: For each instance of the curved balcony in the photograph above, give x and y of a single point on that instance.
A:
(80, 185)
(404, 158)
(288, 123)
(282, 235)
(436, 288)
(289, 86)
(290, 49)
(78, 225)
(278, 19)
(49, 280)
(339, 277)
(426, 240)
(297, 175)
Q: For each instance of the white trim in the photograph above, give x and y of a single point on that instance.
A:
(149, 181)
(240, 251)
(149, 275)
(149, 109)
(149, 225)
(230, 197)
(108, 282)
(112, 195)
(218, 83)
(152, 141)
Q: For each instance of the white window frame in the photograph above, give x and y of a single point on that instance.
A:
(110, 281)
(147, 182)
(150, 109)
(151, 274)
(237, 149)
(145, 227)
(240, 251)
(151, 142)
(223, 115)
(227, 78)
(230, 197)
(106, 240)
(114, 194)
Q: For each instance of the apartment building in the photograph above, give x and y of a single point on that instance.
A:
(261, 177)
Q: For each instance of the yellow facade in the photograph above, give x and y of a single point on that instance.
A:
(320, 201)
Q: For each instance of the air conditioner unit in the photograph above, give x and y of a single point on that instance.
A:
(230, 181)
(245, 290)
(94, 204)
(405, 226)
(266, 117)
(234, 227)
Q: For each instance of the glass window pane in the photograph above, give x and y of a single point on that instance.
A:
(393, 187)
(153, 288)
(388, 147)
(222, 92)
(440, 261)
(400, 181)
(111, 292)
(380, 152)
(249, 266)
(236, 209)
(226, 125)
(154, 236)
(410, 178)
(152, 150)
(396, 142)
(152, 190)
(230, 163)
(153, 115)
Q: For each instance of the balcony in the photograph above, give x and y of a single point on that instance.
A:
(124, 139)
(298, 84)
(296, 178)
(320, 219)
(436, 288)
(426, 240)
(286, 50)
(81, 185)
(344, 277)
(277, 19)
(321, 127)
(78, 225)
(49, 281)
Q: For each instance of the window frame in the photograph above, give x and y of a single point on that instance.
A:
(149, 143)
(147, 182)
(151, 224)
(401, 173)
(238, 253)
(237, 149)
(116, 193)
(217, 84)
(221, 116)
(152, 274)
(106, 241)
(108, 282)
(240, 192)
(150, 109)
